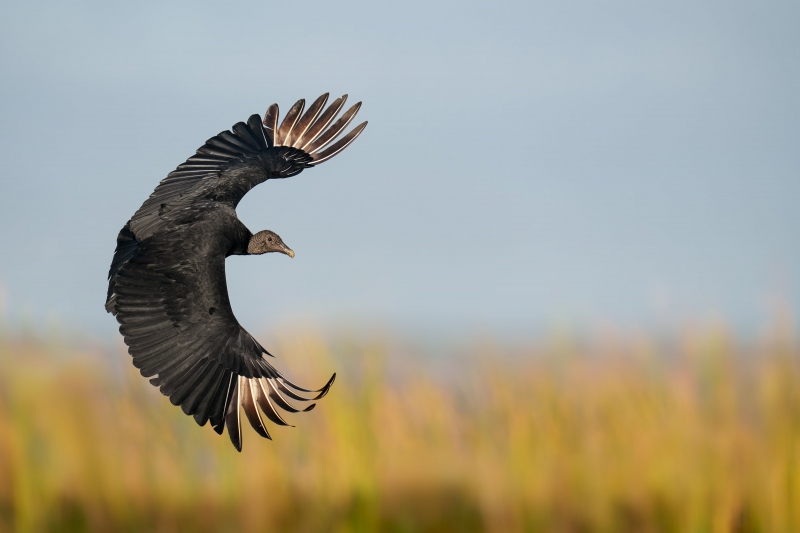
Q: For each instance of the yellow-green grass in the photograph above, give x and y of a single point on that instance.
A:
(693, 435)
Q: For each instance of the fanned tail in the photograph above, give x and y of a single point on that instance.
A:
(312, 131)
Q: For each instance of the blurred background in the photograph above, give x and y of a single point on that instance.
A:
(565, 247)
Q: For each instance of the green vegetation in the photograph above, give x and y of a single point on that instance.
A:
(620, 435)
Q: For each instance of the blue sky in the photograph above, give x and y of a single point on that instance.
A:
(581, 162)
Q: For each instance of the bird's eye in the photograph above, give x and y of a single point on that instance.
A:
(270, 239)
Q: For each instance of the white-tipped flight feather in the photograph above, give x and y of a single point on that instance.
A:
(312, 132)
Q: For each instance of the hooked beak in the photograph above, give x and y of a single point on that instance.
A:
(288, 251)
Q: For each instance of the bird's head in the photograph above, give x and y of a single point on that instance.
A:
(267, 241)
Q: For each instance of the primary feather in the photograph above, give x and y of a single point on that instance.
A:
(167, 278)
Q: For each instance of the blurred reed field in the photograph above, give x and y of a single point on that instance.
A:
(699, 434)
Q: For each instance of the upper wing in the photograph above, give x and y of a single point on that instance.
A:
(174, 313)
(233, 162)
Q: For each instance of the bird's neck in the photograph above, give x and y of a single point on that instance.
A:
(240, 240)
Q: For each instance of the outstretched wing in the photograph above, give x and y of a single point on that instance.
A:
(228, 165)
(174, 313)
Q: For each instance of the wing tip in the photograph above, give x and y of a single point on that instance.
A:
(255, 396)
(317, 137)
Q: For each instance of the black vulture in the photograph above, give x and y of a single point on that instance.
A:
(166, 285)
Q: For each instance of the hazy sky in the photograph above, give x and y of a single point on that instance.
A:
(632, 162)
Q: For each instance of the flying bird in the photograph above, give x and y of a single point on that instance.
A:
(166, 284)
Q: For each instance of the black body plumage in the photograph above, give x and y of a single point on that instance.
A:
(167, 284)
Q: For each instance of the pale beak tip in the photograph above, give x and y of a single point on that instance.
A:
(290, 253)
